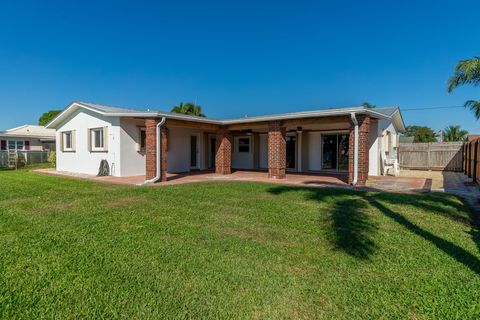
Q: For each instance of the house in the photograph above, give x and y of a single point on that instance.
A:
(151, 143)
(473, 137)
(27, 138)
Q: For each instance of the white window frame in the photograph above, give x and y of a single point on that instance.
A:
(93, 139)
(15, 143)
(64, 141)
(249, 144)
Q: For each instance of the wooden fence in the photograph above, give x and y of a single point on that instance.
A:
(445, 156)
(471, 163)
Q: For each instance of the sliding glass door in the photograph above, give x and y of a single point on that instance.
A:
(335, 152)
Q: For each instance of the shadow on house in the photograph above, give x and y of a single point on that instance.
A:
(353, 228)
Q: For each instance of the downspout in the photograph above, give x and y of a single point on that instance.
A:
(355, 151)
(159, 153)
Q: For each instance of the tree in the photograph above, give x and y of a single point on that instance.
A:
(368, 105)
(467, 72)
(47, 117)
(454, 133)
(188, 108)
(420, 134)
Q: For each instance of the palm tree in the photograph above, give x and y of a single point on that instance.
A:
(467, 72)
(454, 133)
(188, 108)
(368, 105)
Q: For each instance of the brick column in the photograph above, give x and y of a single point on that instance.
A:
(363, 149)
(223, 155)
(151, 150)
(277, 150)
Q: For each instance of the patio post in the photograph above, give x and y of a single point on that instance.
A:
(223, 154)
(363, 150)
(277, 150)
(151, 150)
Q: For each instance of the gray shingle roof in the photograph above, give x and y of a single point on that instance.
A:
(389, 112)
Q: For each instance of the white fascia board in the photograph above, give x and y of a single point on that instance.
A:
(286, 116)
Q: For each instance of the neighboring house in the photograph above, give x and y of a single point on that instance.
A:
(27, 138)
(308, 141)
(473, 137)
(406, 139)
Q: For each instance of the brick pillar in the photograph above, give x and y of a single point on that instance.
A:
(363, 149)
(277, 150)
(223, 155)
(151, 150)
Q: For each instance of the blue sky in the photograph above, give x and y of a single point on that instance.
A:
(237, 57)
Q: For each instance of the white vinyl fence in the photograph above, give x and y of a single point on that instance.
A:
(27, 157)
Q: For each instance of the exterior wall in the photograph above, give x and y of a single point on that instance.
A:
(314, 151)
(374, 151)
(242, 160)
(377, 144)
(132, 158)
(82, 160)
(263, 157)
(178, 149)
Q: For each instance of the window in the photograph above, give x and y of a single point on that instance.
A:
(143, 139)
(67, 138)
(98, 139)
(244, 145)
(3, 145)
(27, 145)
(19, 145)
(12, 145)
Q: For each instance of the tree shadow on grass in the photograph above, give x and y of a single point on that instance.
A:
(458, 253)
(352, 229)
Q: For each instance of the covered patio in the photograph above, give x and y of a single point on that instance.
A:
(305, 149)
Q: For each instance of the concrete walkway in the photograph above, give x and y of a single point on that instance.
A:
(410, 181)
(310, 180)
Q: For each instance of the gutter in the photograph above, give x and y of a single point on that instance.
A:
(159, 154)
(355, 151)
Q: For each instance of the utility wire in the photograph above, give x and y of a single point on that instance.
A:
(431, 108)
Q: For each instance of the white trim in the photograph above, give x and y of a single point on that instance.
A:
(93, 137)
(63, 147)
(395, 117)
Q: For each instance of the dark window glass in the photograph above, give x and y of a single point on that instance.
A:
(290, 152)
(143, 139)
(193, 151)
(98, 138)
(3, 145)
(244, 145)
(68, 140)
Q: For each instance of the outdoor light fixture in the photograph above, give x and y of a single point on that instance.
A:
(299, 129)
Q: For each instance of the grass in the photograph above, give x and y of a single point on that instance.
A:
(77, 249)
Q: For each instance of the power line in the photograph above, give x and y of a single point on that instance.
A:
(431, 108)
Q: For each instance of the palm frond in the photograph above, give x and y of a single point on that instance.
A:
(466, 72)
(474, 106)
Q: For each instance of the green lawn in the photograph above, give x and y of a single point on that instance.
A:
(71, 248)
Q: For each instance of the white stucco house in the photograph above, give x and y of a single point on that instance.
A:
(347, 141)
